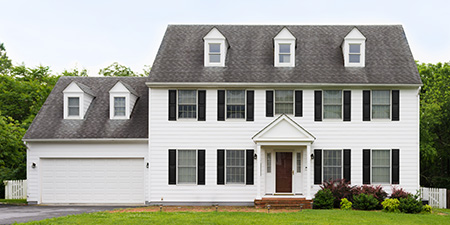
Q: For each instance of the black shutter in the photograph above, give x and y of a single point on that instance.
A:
(317, 105)
(347, 164)
(172, 104)
(395, 166)
(220, 166)
(201, 167)
(298, 103)
(172, 166)
(269, 103)
(366, 166)
(347, 105)
(250, 105)
(201, 105)
(395, 105)
(249, 167)
(220, 105)
(366, 105)
(317, 166)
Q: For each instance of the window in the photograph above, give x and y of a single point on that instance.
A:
(74, 106)
(332, 165)
(187, 166)
(235, 166)
(187, 104)
(299, 162)
(381, 104)
(354, 53)
(269, 162)
(119, 106)
(235, 104)
(381, 166)
(285, 53)
(284, 102)
(214, 53)
(332, 104)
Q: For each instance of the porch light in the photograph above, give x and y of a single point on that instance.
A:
(33, 165)
(312, 156)
(255, 156)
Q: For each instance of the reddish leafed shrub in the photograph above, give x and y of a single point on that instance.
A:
(340, 189)
(399, 193)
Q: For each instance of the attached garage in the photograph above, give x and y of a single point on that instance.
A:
(92, 180)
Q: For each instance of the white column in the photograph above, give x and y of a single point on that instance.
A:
(258, 171)
(308, 172)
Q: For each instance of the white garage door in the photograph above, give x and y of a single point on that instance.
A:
(92, 180)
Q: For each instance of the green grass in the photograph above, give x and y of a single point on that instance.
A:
(14, 201)
(304, 217)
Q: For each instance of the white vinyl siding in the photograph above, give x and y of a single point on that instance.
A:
(235, 166)
(381, 166)
(187, 104)
(235, 104)
(73, 106)
(332, 165)
(381, 104)
(119, 106)
(332, 104)
(284, 102)
(187, 166)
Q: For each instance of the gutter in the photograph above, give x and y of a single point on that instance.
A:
(269, 85)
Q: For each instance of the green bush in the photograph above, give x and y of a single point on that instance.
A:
(323, 199)
(410, 205)
(426, 209)
(365, 202)
(346, 204)
(391, 205)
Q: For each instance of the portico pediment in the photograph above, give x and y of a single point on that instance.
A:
(283, 129)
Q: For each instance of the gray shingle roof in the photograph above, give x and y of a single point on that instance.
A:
(49, 122)
(318, 56)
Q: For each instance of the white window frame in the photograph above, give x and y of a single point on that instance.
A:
(284, 37)
(390, 165)
(352, 53)
(226, 165)
(112, 104)
(80, 106)
(196, 104)
(390, 106)
(215, 53)
(354, 37)
(342, 162)
(275, 102)
(342, 106)
(196, 167)
(245, 105)
(125, 106)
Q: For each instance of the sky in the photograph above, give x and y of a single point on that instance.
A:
(93, 34)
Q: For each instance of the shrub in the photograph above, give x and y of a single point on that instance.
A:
(399, 193)
(426, 209)
(346, 204)
(340, 189)
(375, 191)
(323, 199)
(365, 202)
(410, 205)
(391, 205)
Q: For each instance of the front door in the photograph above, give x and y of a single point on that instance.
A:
(284, 172)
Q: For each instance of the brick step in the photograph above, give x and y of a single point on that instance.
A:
(284, 203)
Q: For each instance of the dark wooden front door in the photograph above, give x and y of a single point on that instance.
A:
(284, 172)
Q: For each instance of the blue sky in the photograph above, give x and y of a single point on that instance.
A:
(93, 34)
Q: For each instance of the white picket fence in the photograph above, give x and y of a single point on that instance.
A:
(437, 197)
(15, 189)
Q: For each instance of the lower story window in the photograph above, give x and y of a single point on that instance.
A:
(235, 166)
(187, 166)
(381, 166)
(332, 165)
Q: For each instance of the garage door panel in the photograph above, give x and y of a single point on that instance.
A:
(92, 180)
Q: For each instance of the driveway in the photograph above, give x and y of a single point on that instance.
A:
(13, 213)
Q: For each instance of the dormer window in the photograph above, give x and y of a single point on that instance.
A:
(73, 106)
(284, 49)
(215, 49)
(122, 99)
(353, 49)
(77, 99)
(119, 106)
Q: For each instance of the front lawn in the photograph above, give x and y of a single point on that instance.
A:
(304, 217)
(14, 201)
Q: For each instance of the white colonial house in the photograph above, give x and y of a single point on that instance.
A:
(234, 114)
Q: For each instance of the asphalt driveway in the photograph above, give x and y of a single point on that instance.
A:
(13, 213)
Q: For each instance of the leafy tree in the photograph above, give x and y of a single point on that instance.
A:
(117, 70)
(75, 73)
(5, 62)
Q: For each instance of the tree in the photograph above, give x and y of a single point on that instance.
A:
(435, 125)
(117, 70)
(75, 73)
(5, 62)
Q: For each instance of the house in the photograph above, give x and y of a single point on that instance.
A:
(234, 114)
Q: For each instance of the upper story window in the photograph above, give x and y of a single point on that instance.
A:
(215, 49)
(332, 104)
(284, 49)
(187, 104)
(119, 106)
(77, 99)
(353, 49)
(73, 106)
(122, 99)
(381, 104)
(235, 104)
(284, 102)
